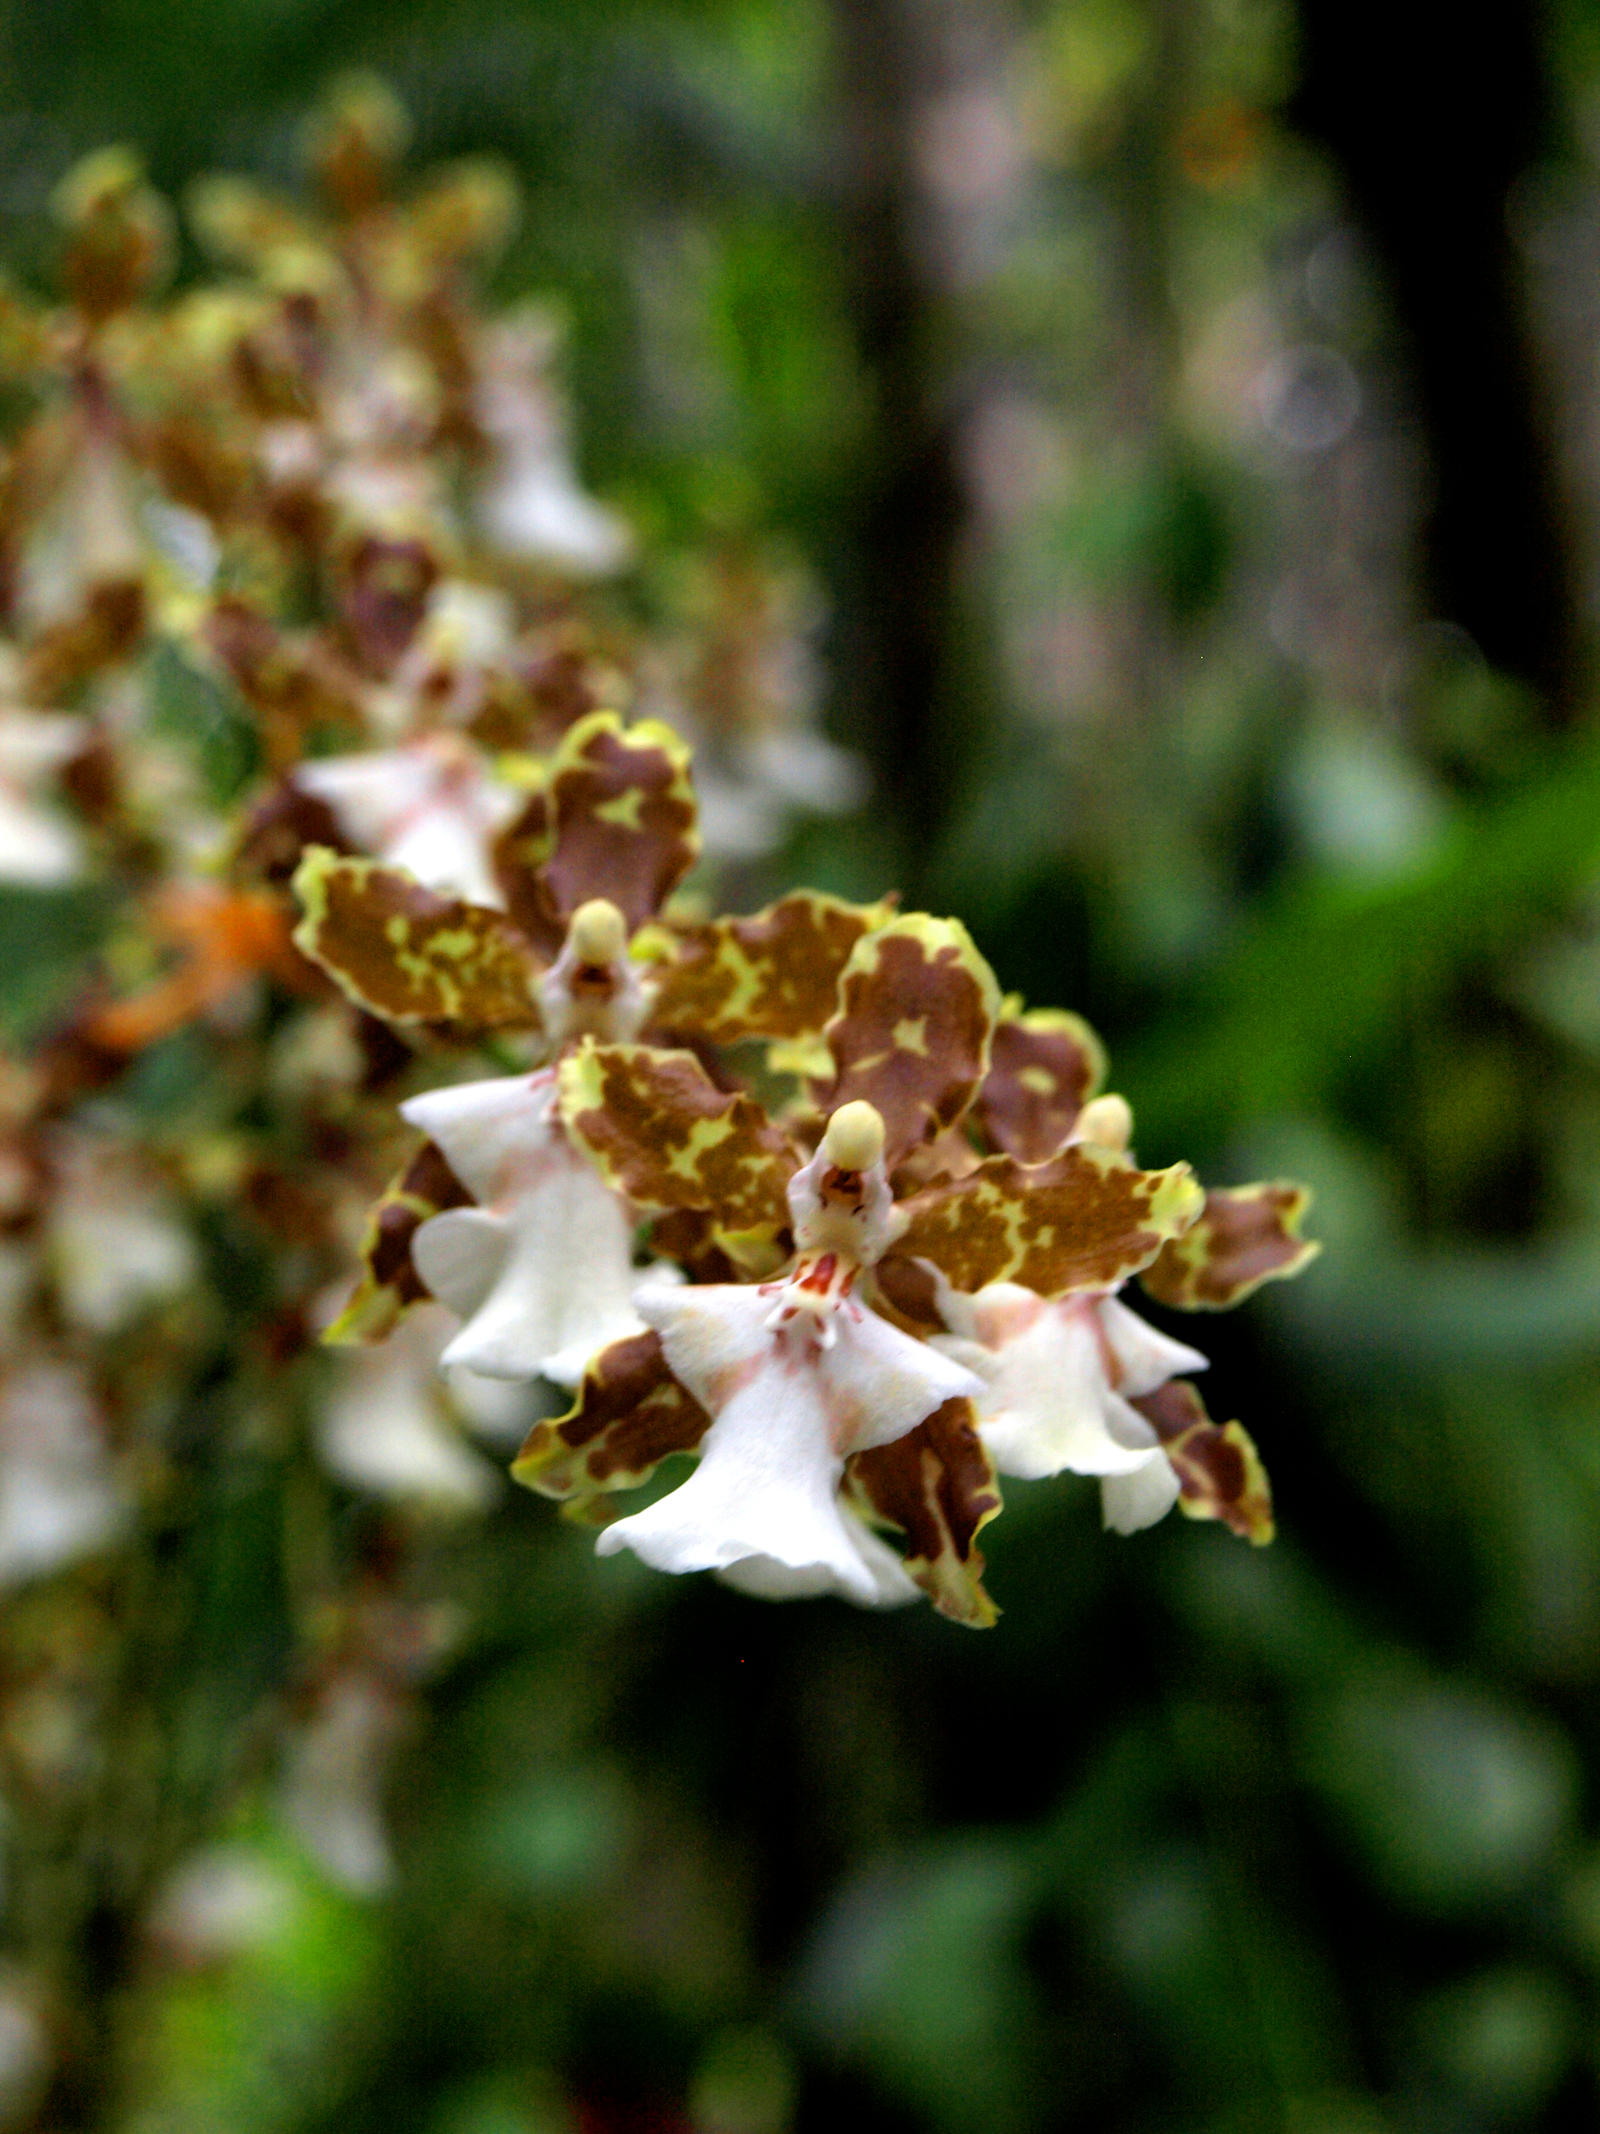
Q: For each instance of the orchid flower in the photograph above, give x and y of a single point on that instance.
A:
(805, 1391)
(509, 1224)
(429, 806)
(1081, 1383)
(797, 1375)
(532, 506)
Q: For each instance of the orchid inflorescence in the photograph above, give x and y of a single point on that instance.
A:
(386, 800)
(798, 1194)
(297, 555)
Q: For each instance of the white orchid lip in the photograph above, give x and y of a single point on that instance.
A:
(1060, 1379)
(762, 1506)
(541, 1269)
(797, 1374)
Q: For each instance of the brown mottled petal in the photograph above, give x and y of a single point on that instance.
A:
(617, 819)
(382, 585)
(907, 1293)
(296, 686)
(947, 1156)
(280, 827)
(937, 1486)
(390, 1283)
(1043, 1068)
(1246, 1235)
(688, 1236)
(665, 1137)
(629, 1414)
(1086, 1220)
(773, 975)
(916, 1006)
(518, 856)
(1220, 1475)
(399, 951)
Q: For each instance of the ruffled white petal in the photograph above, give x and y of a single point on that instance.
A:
(763, 1502)
(764, 1578)
(384, 1427)
(541, 1271)
(1129, 1502)
(428, 807)
(1145, 1358)
(880, 1383)
(1048, 1403)
(493, 1133)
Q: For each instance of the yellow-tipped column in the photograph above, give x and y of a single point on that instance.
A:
(598, 932)
(854, 1139)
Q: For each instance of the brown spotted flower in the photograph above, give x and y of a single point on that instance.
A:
(795, 1375)
(806, 1388)
(502, 1218)
(1082, 1384)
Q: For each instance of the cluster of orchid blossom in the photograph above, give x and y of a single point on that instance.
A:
(335, 701)
(798, 1195)
(336, 501)
(297, 557)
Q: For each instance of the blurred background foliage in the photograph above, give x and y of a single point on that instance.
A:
(1188, 410)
